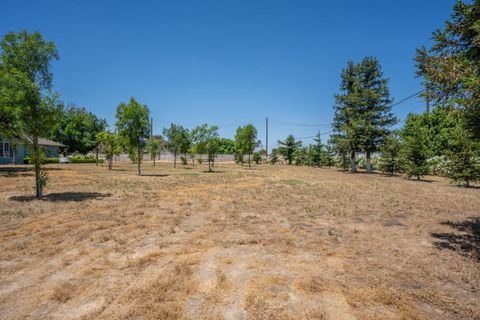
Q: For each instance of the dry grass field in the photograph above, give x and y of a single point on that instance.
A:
(274, 242)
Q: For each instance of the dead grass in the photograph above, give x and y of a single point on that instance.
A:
(277, 242)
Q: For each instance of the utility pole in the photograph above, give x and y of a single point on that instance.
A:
(266, 134)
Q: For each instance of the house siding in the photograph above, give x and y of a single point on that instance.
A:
(21, 152)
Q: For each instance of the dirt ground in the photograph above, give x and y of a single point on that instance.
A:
(274, 242)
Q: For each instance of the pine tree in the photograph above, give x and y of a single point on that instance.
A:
(375, 116)
(288, 147)
(346, 124)
(463, 164)
(390, 161)
(415, 149)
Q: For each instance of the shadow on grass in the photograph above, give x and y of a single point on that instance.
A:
(465, 239)
(64, 196)
(15, 171)
(213, 171)
(154, 175)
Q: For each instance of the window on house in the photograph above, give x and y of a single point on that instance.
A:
(5, 149)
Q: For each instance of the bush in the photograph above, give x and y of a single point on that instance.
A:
(28, 160)
(85, 159)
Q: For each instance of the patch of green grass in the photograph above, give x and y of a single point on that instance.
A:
(293, 182)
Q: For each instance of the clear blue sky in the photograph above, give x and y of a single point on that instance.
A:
(227, 62)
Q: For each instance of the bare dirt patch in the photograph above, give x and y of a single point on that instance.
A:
(277, 242)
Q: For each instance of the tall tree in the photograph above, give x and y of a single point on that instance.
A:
(27, 102)
(374, 107)
(111, 145)
(346, 122)
(451, 67)
(178, 140)
(78, 129)
(133, 125)
(288, 148)
(206, 141)
(246, 141)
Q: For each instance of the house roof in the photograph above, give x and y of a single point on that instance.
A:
(47, 142)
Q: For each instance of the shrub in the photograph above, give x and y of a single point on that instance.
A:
(28, 160)
(85, 159)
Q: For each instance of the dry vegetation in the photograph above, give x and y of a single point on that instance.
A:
(275, 242)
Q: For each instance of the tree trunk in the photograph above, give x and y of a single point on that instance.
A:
(368, 162)
(249, 164)
(209, 166)
(36, 160)
(353, 162)
(110, 162)
(96, 155)
(138, 162)
(154, 160)
(175, 160)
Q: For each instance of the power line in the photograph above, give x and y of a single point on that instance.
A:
(298, 124)
(408, 98)
(321, 134)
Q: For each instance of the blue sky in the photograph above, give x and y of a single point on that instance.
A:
(227, 62)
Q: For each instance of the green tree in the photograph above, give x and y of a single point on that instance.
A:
(27, 103)
(389, 160)
(154, 145)
(288, 147)
(178, 141)
(463, 165)
(415, 150)
(226, 146)
(316, 152)
(257, 157)
(206, 141)
(273, 156)
(375, 116)
(133, 126)
(246, 141)
(111, 145)
(346, 123)
(451, 67)
(78, 129)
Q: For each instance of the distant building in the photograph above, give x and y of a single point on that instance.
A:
(19, 150)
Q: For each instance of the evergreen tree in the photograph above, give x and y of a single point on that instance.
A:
(288, 147)
(389, 161)
(346, 124)
(274, 156)
(451, 67)
(463, 156)
(375, 116)
(415, 151)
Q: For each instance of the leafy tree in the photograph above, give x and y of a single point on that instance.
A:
(257, 157)
(111, 144)
(375, 116)
(463, 156)
(133, 126)
(414, 152)
(389, 161)
(246, 141)
(178, 141)
(78, 129)
(154, 145)
(226, 146)
(27, 103)
(288, 147)
(328, 159)
(451, 67)
(206, 141)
